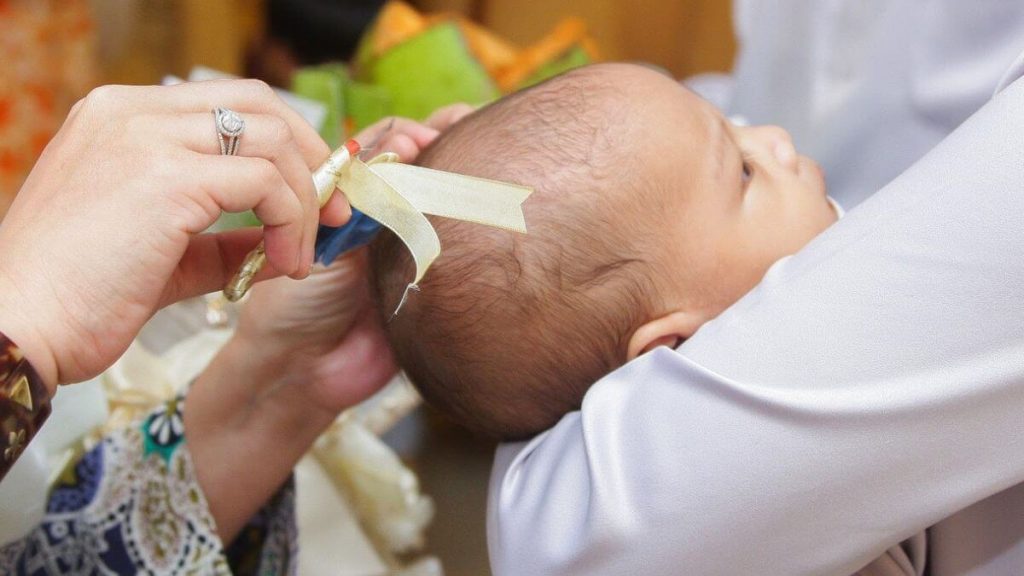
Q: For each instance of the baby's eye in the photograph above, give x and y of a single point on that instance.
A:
(748, 172)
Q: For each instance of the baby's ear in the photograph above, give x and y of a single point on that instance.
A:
(669, 330)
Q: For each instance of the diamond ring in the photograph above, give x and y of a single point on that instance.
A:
(229, 129)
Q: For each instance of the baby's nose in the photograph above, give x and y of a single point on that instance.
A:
(780, 144)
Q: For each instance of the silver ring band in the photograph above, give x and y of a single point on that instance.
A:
(229, 129)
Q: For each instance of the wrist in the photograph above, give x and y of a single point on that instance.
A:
(247, 424)
(21, 325)
(240, 392)
(264, 363)
(231, 384)
(277, 382)
(269, 356)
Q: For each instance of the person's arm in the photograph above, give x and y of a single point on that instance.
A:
(175, 489)
(203, 482)
(265, 398)
(109, 226)
(872, 385)
(303, 352)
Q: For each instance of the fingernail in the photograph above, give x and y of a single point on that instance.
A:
(299, 259)
(307, 262)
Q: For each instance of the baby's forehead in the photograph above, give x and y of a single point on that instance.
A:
(626, 105)
(646, 98)
(607, 129)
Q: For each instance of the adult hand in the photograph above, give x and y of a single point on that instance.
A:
(108, 226)
(303, 352)
(302, 324)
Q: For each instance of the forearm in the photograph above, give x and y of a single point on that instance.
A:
(871, 386)
(247, 425)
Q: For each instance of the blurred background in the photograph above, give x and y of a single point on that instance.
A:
(53, 52)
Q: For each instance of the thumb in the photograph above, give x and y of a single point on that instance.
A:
(210, 261)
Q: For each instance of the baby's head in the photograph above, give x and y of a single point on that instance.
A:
(651, 215)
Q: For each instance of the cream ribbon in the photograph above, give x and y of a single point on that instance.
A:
(398, 195)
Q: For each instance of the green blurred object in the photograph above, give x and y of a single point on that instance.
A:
(233, 220)
(430, 70)
(366, 104)
(410, 65)
(574, 58)
(327, 85)
(351, 106)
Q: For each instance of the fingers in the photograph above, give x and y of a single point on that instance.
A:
(443, 118)
(209, 262)
(336, 212)
(400, 135)
(244, 96)
(109, 103)
(403, 145)
(266, 136)
(408, 138)
(236, 184)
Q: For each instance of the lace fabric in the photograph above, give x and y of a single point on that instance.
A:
(132, 505)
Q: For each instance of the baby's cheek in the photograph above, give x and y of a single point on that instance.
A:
(746, 269)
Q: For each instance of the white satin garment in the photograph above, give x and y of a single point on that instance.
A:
(867, 87)
(871, 387)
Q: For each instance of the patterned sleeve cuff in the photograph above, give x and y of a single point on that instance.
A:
(133, 505)
(24, 403)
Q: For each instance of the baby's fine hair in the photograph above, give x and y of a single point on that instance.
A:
(508, 331)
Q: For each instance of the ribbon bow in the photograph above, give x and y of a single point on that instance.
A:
(397, 196)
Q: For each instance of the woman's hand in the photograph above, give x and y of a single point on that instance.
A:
(303, 352)
(302, 323)
(108, 226)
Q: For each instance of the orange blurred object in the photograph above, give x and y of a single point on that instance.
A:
(396, 23)
(509, 65)
(494, 52)
(47, 62)
(569, 33)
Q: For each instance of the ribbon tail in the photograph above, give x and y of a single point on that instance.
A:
(378, 199)
(467, 198)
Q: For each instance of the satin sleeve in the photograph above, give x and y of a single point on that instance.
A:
(871, 385)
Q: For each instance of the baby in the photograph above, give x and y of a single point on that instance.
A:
(651, 215)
